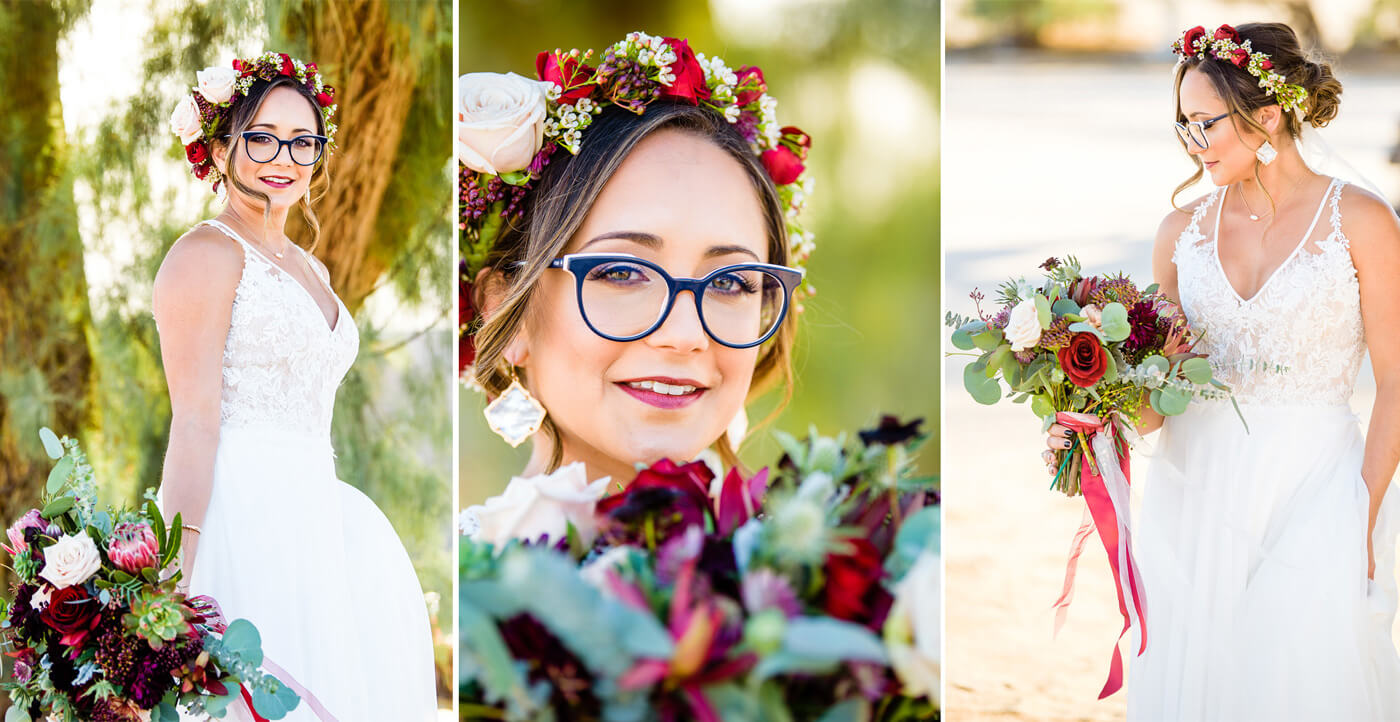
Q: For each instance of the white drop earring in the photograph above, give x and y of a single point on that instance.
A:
(1266, 153)
(515, 415)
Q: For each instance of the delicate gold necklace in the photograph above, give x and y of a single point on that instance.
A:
(1245, 196)
(281, 255)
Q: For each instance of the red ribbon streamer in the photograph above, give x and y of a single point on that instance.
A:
(1103, 517)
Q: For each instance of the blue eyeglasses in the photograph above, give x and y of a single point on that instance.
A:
(625, 298)
(263, 147)
(1195, 131)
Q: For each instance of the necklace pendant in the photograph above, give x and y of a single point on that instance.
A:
(1252, 217)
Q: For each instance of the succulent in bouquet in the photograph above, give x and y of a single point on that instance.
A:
(96, 626)
(1097, 346)
(797, 591)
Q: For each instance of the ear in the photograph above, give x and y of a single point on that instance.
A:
(220, 151)
(1271, 117)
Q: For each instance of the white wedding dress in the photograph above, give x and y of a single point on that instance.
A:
(1252, 544)
(307, 558)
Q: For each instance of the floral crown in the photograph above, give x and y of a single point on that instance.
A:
(1226, 44)
(509, 126)
(204, 114)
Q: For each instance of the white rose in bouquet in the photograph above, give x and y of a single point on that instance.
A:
(912, 629)
(541, 505)
(500, 122)
(1023, 328)
(216, 83)
(72, 560)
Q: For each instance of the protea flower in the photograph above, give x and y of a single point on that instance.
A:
(133, 547)
(18, 542)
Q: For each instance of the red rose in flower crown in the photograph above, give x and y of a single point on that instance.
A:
(1084, 360)
(689, 83)
(567, 72)
(1226, 32)
(205, 114)
(1191, 36)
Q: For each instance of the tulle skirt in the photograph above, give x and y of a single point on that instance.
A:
(1252, 547)
(316, 566)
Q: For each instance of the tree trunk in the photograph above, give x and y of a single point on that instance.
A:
(46, 365)
(367, 58)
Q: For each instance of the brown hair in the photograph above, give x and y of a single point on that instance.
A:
(553, 211)
(1243, 96)
(244, 111)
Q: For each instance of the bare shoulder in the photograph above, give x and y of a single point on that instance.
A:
(1367, 218)
(203, 264)
(1177, 219)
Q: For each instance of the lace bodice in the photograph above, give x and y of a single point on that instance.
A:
(282, 361)
(1299, 339)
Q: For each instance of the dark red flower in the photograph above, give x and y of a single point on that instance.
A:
(794, 138)
(326, 97)
(1084, 360)
(287, 67)
(740, 499)
(783, 165)
(751, 85)
(1226, 32)
(690, 77)
(662, 502)
(73, 613)
(891, 432)
(853, 591)
(202, 170)
(568, 73)
(1266, 64)
(1188, 41)
(1142, 317)
(1240, 57)
(1083, 288)
(195, 152)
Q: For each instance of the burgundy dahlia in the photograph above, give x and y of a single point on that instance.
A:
(1142, 317)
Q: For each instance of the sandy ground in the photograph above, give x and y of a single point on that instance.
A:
(1040, 159)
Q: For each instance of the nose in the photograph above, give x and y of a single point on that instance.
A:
(681, 330)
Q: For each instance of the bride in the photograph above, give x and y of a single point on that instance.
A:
(254, 343)
(1256, 545)
(638, 298)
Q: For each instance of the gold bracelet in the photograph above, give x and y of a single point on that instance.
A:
(190, 527)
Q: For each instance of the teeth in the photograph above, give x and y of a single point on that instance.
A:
(660, 388)
(277, 179)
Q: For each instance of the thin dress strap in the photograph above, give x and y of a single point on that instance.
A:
(1336, 217)
(247, 247)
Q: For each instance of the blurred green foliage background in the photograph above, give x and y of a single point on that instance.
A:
(863, 79)
(94, 189)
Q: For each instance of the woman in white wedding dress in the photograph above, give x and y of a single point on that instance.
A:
(1255, 544)
(254, 343)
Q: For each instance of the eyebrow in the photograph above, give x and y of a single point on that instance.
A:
(1202, 113)
(653, 241)
(269, 125)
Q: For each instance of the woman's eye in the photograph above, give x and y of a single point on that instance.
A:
(302, 142)
(731, 283)
(618, 273)
(261, 139)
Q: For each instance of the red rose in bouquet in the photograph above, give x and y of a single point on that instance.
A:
(690, 77)
(853, 590)
(73, 613)
(1084, 360)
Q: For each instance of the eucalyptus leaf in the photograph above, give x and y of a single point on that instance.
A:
(1065, 307)
(58, 476)
(54, 448)
(962, 338)
(1110, 371)
(1042, 311)
(58, 507)
(274, 705)
(242, 639)
(998, 358)
(1172, 402)
(983, 390)
(1196, 370)
(1114, 323)
(1151, 289)
(988, 339)
(919, 533)
(1156, 362)
(1042, 406)
(852, 710)
(829, 639)
(1086, 327)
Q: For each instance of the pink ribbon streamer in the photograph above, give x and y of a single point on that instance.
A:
(213, 616)
(1107, 512)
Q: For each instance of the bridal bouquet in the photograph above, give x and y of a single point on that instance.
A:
(98, 631)
(805, 590)
(1087, 345)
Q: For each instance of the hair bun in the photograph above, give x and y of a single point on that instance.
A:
(1324, 92)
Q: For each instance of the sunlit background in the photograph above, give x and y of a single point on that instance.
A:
(862, 79)
(96, 189)
(1059, 141)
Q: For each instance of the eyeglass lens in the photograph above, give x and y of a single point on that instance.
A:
(263, 147)
(739, 307)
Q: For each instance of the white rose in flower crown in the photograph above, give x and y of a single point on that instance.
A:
(72, 560)
(912, 628)
(216, 83)
(184, 120)
(544, 504)
(500, 122)
(1023, 329)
